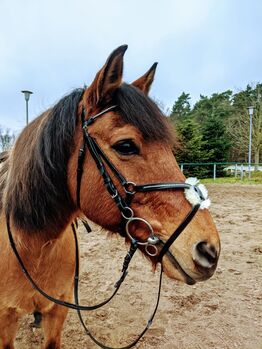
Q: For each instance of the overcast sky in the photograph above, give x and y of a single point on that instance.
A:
(53, 46)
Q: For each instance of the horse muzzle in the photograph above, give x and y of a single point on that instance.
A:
(205, 256)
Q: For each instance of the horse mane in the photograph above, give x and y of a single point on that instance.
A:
(36, 192)
(4, 162)
(33, 180)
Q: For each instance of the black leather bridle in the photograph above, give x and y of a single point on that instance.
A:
(130, 189)
(127, 214)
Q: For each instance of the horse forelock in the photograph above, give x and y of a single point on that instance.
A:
(138, 109)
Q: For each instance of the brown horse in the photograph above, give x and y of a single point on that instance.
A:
(38, 184)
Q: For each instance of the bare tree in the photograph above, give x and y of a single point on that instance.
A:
(257, 131)
(238, 126)
(6, 139)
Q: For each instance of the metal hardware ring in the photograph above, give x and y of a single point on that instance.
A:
(152, 236)
(131, 213)
(129, 188)
(148, 247)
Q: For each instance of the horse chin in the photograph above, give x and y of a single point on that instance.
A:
(174, 270)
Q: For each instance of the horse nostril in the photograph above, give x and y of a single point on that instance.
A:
(205, 254)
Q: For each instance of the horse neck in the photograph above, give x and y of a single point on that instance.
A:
(36, 250)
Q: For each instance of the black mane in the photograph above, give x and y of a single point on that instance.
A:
(36, 194)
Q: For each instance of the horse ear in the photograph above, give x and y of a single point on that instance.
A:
(144, 82)
(108, 78)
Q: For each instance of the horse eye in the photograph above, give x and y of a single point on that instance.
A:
(126, 147)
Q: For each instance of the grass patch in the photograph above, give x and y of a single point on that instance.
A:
(256, 178)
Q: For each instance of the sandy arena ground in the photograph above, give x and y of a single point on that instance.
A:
(222, 313)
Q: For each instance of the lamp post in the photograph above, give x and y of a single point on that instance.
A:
(250, 112)
(27, 96)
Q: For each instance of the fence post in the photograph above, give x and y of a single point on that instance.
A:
(242, 172)
(235, 170)
(182, 167)
(215, 172)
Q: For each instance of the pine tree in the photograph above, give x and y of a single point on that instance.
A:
(181, 108)
(216, 139)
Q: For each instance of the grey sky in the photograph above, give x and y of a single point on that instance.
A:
(53, 46)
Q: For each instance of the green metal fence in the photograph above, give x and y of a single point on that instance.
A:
(236, 169)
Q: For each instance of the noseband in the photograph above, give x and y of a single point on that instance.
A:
(127, 218)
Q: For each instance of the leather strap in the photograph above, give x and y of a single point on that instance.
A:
(46, 295)
(178, 231)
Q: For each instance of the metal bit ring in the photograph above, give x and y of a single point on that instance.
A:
(151, 237)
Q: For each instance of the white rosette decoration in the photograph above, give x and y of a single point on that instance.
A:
(193, 196)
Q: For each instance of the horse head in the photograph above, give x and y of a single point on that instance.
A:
(129, 132)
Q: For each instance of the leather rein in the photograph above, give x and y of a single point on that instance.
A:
(127, 214)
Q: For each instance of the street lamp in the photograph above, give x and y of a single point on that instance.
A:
(250, 112)
(27, 96)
